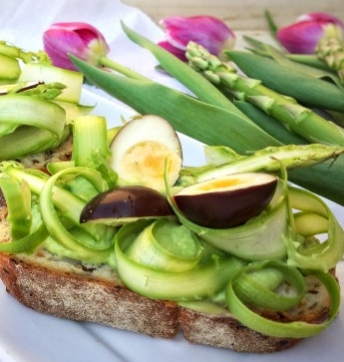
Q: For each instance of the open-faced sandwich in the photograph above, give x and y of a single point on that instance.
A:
(122, 233)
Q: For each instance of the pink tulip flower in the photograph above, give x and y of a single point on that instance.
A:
(210, 32)
(303, 35)
(77, 38)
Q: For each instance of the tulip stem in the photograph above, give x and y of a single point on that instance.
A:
(110, 64)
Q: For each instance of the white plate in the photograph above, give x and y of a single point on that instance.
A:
(27, 336)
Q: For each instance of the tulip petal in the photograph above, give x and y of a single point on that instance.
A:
(317, 16)
(303, 35)
(173, 50)
(77, 38)
(54, 40)
(210, 32)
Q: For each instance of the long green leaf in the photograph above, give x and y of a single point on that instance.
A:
(337, 117)
(325, 179)
(308, 59)
(307, 90)
(273, 28)
(201, 121)
(282, 58)
(258, 47)
(205, 91)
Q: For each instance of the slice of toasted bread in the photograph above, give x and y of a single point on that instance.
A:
(70, 289)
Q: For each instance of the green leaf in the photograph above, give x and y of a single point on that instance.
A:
(283, 59)
(273, 28)
(307, 90)
(181, 71)
(201, 121)
(309, 59)
(325, 179)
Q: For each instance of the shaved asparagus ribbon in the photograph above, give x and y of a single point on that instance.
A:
(26, 227)
(148, 278)
(79, 239)
(37, 105)
(60, 211)
(19, 117)
(285, 234)
(253, 284)
(204, 280)
(297, 329)
(18, 197)
(27, 232)
(314, 218)
(27, 243)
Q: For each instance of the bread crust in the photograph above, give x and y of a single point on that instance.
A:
(228, 332)
(82, 298)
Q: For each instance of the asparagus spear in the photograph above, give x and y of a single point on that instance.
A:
(286, 110)
(268, 159)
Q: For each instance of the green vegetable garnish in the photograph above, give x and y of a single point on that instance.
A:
(263, 325)
(236, 270)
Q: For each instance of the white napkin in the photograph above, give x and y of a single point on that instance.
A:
(24, 21)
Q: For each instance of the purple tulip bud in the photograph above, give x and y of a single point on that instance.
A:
(302, 36)
(210, 32)
(80, 39)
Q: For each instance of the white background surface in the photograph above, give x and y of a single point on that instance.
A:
(27, 336)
